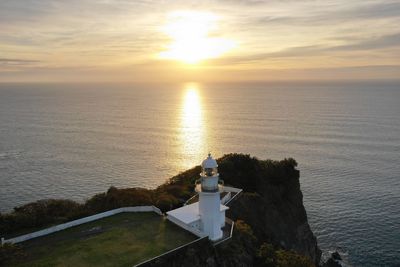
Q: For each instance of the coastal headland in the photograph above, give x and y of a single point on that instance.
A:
(271, 227)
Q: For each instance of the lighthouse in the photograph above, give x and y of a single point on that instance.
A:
(209, 199)
(206, 217)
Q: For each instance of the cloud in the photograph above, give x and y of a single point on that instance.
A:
(17, 62)
(377, 43)
(372, 11)
(24, 11)
(119, 33)
(392, 40)
(314, 16)
(372, 43)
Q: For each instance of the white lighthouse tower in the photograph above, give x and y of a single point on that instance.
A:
(207, 216)
(209, 199)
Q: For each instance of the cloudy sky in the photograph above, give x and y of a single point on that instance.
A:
(123, 40)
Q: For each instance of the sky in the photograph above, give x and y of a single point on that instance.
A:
(179, 41)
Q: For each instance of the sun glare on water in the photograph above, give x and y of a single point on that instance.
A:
(191, 40)
(192, 109)
(192, 131)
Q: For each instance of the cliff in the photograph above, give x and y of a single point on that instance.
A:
(272, 227)
(272, 190)
(271, 223)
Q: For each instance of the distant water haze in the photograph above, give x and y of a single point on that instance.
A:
(72, 141)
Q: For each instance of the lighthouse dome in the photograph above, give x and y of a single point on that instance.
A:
(209, 163)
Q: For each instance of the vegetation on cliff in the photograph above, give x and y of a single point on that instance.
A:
(271, 228)
(242, 250)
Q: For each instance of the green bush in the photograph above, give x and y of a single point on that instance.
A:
(241, 249)
(8, 252)
(166, 202)
(292, 259)
(270, 257)
(267, 255)
(39, 213)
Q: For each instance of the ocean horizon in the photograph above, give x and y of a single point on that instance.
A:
(75, 140)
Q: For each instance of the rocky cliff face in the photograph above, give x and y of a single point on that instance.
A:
(272, 203)
(270, 212)
(280, 221)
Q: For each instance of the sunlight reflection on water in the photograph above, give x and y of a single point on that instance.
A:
(64, 141)
(193, 129)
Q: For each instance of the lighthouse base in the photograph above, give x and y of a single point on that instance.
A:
(188, 217)
(212, 218)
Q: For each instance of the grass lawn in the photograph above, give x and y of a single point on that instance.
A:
(124, 239)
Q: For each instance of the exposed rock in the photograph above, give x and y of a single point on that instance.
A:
(274, 208)
(333, 261)
(336, 256)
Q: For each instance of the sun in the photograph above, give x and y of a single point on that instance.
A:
(191, 41)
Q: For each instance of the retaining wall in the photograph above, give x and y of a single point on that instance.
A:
(183, 225)
(95, 217)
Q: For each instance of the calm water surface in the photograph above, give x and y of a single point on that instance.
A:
(69, 141)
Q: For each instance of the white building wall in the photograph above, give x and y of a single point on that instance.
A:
(193, 227)
(209, 210)
(222, 219)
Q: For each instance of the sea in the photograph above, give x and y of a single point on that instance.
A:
(75, 140)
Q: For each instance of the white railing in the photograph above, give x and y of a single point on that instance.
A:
(226, 198)
(187, 201)
(80, 221)
(237, 193)
(232, 223)
(168, 252)
(232, 189)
